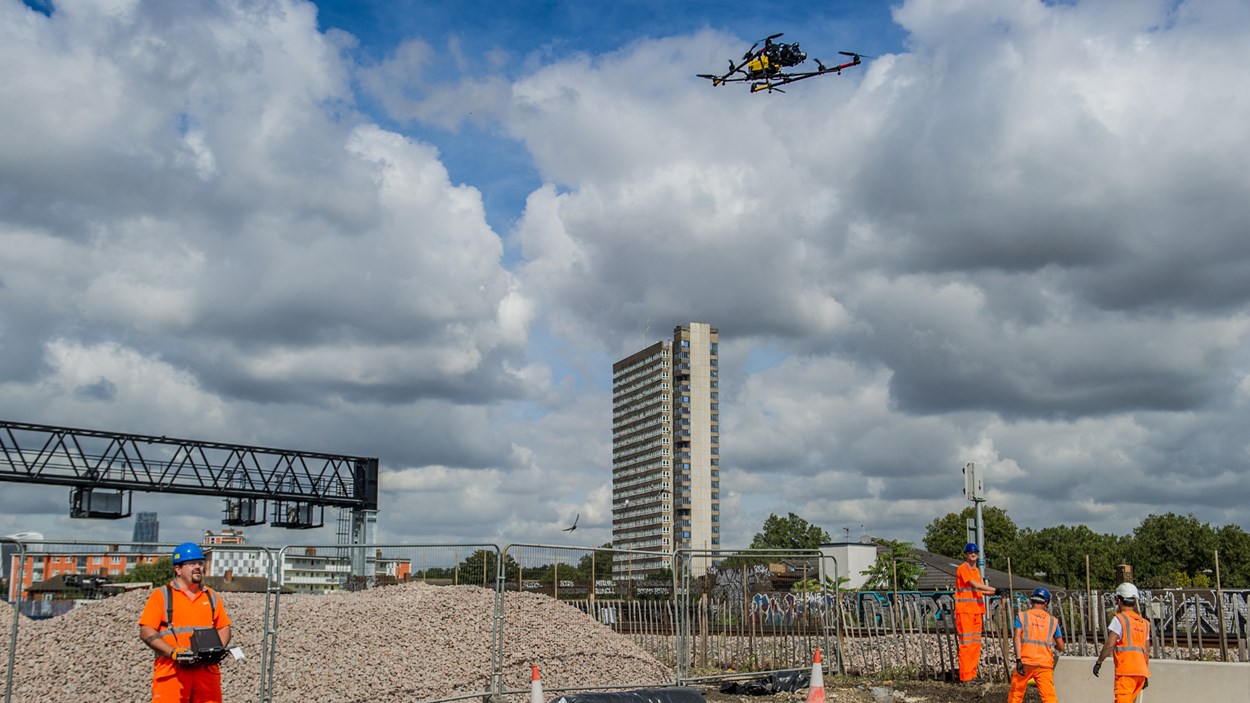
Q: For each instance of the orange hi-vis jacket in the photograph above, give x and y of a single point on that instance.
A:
(1037, 632)
(1130, 651)
(204, 609)
(967, 599)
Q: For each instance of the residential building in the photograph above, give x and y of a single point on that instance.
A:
(228, 557)
(147, 531)
(666, 451)
(108, 561)
(303, 569)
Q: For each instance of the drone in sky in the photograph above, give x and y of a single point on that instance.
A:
(764, 67)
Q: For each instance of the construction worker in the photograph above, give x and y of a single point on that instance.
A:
(1036, 630)
(969, 613)
(1128, 637)
(170, 616)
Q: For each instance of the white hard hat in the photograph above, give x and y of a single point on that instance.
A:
(1126, 591)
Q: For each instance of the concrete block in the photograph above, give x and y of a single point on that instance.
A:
(1170, 681)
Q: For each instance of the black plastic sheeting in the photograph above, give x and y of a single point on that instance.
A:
(776, 682)
(642, 695)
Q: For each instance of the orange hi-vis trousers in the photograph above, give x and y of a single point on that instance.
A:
(968, 625)
(1043, 676)
(188, 685)
(1127, 688)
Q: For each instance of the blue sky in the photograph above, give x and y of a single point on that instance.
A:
(529, 33)
(423, 232)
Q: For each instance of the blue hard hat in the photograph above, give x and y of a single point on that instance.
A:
(971, 548)
(1040, 595)
(187, 551)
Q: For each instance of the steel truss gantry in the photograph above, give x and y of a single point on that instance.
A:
(297, 485)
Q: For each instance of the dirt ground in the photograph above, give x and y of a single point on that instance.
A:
(862, 691)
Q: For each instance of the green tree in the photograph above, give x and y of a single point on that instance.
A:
(157, 572)
(1057, 555)
(602, 563)
(815, 585)
(898, 558)
(1234, 556)
(1165, 545)
(791, 533)
(948, 534)
(481, 567)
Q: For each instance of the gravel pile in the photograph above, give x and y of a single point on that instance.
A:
(398, 643)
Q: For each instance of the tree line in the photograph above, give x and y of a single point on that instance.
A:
(1165, 551)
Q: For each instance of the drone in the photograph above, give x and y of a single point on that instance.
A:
(763, 67)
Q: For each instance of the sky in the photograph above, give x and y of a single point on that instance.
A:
(1017, 235)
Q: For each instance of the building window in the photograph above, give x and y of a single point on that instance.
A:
(714, 348)
(716, 462)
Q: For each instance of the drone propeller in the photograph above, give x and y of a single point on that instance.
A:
(856, 56)
(766, 41)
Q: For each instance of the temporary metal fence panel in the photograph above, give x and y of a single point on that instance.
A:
(723, 610)
(53, 578)
(700, 620)
(610, 586)
(15, 577)
(459, 626)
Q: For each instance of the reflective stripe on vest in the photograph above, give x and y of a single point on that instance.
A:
(1037, 629)
(967, 595)
(1130, 651)
(167, 629)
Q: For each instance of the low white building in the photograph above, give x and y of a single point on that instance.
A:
(852, 560)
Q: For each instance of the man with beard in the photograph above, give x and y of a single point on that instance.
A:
(170, 617)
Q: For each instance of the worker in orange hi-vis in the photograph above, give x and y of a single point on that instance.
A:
(172, 616)
(1036, 632)
(970, 613)
(1128, 638)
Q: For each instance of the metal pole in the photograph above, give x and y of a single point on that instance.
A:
(17, 577)
(1010, 646)
(1219, 602)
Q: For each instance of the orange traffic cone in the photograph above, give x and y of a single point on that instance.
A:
(536, 686)
(816, 688)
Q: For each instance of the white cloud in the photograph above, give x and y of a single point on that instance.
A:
(1020, 241)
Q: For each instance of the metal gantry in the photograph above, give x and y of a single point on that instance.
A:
(298, 484)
